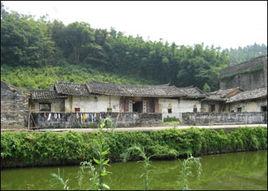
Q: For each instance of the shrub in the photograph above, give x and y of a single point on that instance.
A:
(37, 148)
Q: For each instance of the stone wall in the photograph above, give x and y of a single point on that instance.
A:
(76, 120)
(248, 75)
(14, 107)
(224, 118)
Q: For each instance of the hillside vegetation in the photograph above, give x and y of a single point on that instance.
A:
(35, 53)
(242, 54)
(44, 77)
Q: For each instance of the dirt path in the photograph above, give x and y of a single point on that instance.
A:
(157, 128)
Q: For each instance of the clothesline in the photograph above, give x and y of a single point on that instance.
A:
(83, 117)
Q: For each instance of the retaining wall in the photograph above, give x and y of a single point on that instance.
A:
(224, 118)
(73, 120)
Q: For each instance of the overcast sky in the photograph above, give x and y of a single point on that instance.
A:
(224, 24)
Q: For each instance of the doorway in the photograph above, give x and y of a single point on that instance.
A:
(264, 108)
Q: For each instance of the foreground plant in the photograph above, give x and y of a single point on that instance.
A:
(146, 162)
(61, 180)
(101, 150)
(96, 173)
(191, 167)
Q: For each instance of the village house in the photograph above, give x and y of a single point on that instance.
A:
(108, 97)
(235, 100)
(242, 98)
(215, 102)
(248, 101)
(248, 75)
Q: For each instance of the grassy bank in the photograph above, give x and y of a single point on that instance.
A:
(44, 77)
(51, 148)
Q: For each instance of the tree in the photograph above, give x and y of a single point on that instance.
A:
(206, 88)
(25, 41)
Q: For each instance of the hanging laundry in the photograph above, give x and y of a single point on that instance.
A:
(80, 116)
(91, 117)
(49, 115)
(59, 115)
(84, 117)
(95, 117)
(55, 115)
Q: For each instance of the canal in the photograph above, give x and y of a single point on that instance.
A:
(244, 170)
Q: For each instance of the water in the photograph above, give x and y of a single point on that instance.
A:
(246, 170)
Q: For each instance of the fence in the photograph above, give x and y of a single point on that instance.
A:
(224, 118)
(85, 119)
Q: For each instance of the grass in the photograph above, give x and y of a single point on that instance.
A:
(44, 77)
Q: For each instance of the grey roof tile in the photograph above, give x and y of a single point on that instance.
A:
(45, 94)
(249, 95)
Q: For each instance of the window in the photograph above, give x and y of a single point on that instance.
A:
(169, 110)
(239, 109)
(195, 109)
(109, 109)
(212, 108)
(77, 109)
(45, 107)
(264, 108)
(137, 106)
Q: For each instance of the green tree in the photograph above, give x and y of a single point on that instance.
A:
(25, 41)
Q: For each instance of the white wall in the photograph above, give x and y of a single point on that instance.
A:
(56, 106)
(178, 106)
(249, 106)
(92, 103)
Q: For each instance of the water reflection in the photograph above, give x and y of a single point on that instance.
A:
(247, 170)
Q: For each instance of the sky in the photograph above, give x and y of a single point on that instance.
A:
(225, 24)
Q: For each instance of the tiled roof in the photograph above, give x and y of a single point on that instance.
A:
(63, 88)
(45, 94)
(193, 92)
(250, 65)
(222, 95)
(143, 91)
(248, 95)
(71, 89)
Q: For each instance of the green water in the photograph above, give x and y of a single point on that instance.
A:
(247, 170)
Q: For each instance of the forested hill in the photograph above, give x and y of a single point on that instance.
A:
(35, 53)
(242, 54)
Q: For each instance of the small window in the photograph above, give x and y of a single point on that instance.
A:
(169, 110)
(45, 107)
(264, 108)
(96, 98)
(77, 109)
(109, 109)
(195, 110)
(212, 108)
(239, 109)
